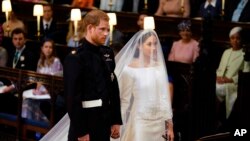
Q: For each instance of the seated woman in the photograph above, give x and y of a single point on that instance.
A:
(232, 61)
(47, 64)
(174, 8)
(186, 49)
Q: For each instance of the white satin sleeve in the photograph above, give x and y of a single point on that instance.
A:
(126, 87)
(165, 99)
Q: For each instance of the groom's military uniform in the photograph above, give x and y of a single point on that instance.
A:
(92, 92)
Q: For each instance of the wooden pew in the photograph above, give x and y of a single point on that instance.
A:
(11, 119)
(54, 85)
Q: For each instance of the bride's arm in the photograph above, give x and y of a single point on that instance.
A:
(125, 85)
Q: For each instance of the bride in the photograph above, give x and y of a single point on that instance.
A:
(144, 93)
(143, 82)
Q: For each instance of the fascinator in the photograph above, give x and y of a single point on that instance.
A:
(235, 30)
(184, 25)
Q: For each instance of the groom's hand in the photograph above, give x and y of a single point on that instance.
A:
(115, 131)
(84, 138)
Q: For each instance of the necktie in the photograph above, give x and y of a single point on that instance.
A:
(46, 28)
(16, 57)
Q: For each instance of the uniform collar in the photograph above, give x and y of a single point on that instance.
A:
(90, 46)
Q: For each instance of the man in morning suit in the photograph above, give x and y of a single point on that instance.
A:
(91, 87)
(48, 24)
(21, 57)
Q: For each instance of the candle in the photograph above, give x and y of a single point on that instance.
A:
(110, 4)
(38, 11)
(112, 22)
(7, 17)
(75, 27)
(149, 23)
(6, 7)
(111, 34)
(146, 4)
(75, 16)
(38, 23)
(182, 3)
(223, 4)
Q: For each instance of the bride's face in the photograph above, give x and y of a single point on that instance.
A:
(149, 46)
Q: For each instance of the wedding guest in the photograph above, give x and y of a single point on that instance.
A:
(173, 8)
(47, 64)
(237, 10)
(232, 61)
(211, 9)
(48, 23)
(186, 49)
(21, 57)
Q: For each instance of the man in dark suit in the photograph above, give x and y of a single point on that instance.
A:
(211, 9)
(91, 87)
(48, 24)
(237, 10)
(21, 57)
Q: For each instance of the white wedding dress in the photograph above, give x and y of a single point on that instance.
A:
(145, 105)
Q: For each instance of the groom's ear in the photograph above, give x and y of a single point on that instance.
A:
(90, 27)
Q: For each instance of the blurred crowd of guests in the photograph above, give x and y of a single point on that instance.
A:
(232, 10)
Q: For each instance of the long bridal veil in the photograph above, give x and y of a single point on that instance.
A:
(59, 132)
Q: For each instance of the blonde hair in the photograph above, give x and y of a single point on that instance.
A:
(80, 30)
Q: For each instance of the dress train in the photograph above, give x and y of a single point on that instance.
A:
(59, 132)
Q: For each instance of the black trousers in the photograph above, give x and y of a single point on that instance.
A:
(98, 125)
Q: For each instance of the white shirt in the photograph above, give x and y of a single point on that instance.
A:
(49, 23)
(213, 3)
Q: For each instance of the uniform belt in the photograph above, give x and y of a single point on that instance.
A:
(92, 103)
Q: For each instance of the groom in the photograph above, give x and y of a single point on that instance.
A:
(91, 87)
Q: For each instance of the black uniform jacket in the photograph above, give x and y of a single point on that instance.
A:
(89, 75)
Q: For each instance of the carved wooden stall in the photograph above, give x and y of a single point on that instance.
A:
(7, 118)
(22, 80)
